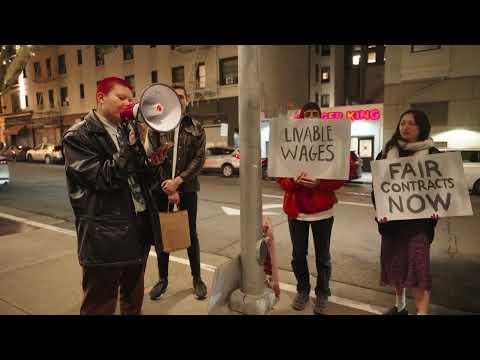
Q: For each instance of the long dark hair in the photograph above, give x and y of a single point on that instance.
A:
(421, 119)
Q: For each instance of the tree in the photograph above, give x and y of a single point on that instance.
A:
(14, 58)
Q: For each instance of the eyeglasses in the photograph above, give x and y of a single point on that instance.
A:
(311, 113)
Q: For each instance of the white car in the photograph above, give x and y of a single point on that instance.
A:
(47, 153)
(222, 158)
(471, 166)
(4, 173)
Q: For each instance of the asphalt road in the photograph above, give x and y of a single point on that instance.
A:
(355, 245)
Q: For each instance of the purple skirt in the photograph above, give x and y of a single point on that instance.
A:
(405, 261)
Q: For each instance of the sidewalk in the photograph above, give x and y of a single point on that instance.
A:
(40, 274)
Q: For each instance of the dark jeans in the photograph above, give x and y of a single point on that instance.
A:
(321, 230)
(101, 283)
(188, 201)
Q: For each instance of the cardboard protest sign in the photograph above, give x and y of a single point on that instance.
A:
(321, 148)
(418, 187)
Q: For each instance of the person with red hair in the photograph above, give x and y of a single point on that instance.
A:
(110, 190)
(309, 203)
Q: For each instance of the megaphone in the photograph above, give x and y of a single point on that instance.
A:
(159, 108)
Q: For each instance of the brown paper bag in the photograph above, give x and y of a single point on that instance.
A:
(175, 230)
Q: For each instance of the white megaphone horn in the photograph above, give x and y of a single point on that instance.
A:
(159, 108)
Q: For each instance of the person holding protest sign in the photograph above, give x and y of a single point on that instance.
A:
(405, 244)
(309, 202)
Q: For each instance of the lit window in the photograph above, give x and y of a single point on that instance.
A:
(325, 74)
(356, 59)
(372, 57)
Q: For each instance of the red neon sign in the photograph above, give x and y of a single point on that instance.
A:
(365, 114)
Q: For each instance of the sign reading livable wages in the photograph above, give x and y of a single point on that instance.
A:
(321, 148)
(418, 187)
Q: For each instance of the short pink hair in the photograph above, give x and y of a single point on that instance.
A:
(106, 84)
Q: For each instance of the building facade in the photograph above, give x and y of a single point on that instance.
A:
(58, 85)
(443, 81)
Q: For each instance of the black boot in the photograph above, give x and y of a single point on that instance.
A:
(159, 289)
(199, 288)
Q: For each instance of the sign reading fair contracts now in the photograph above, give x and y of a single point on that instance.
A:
(321, 148)
(418, 187)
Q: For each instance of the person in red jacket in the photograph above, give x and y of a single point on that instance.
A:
(309, 202)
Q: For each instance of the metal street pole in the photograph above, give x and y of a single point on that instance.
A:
(253, 298)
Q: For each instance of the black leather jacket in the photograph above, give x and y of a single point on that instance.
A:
(190, 156)
(100, 195)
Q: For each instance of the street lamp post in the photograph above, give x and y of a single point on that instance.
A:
(252, 298)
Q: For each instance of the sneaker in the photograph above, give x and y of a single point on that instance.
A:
(158, 289)
(199, 288)
(300, 301)
(320, 305)
(394, 311)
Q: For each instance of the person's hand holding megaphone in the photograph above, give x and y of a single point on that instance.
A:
(126, 115)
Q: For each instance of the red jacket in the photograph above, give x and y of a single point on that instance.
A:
(299, 199)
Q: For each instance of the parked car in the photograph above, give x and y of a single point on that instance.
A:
(15, 152)
(356, 164)
(222, 159)
(471, 167)
(4, 173)
(47, 153)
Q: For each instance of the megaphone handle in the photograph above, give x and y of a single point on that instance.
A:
(174, 162)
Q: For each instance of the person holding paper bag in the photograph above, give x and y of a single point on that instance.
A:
(181, 189)
(405, 247)
(309, 202)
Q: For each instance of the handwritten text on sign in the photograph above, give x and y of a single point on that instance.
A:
(318, 147)
(418, 187)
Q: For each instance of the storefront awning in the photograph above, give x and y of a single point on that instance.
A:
(13, 130)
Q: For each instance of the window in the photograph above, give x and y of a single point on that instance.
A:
(470, 156)
(317, 73)
(64, 96)
(131, 80)
(15, 102)
(229, 71)
(127, 52)
(317, 49)
(325, 50)
(49, 68)
(178, 74)
(99, 57)
(372, 56)
(51, 99)
(356, 54)
(26, 101)
(39, 100)
(62, 67)
(326, 74)
(79, 57)
(154, 76)
(82, 92)
(201, 76)
(325, 102)
(316, 97)
(37, 70)
(421, 48)
(356, 59)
